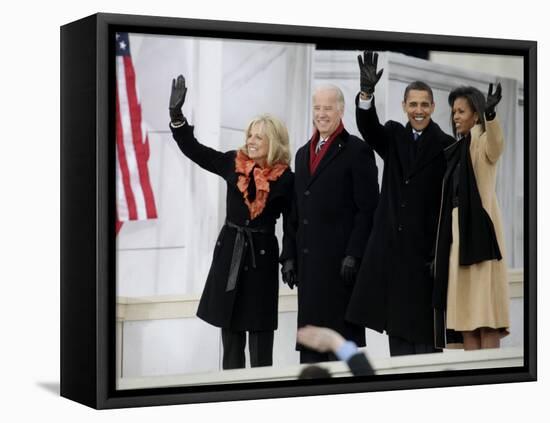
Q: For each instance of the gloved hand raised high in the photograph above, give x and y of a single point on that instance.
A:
(367, 69)
(492, 100)
(177, 98)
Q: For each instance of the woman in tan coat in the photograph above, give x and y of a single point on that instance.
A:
(471, 294)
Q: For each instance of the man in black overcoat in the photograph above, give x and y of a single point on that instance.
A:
(336, 193)
(393, 292)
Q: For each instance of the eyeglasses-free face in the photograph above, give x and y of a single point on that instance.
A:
(419, 108)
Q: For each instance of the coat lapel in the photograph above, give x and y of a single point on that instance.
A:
(429, 148)
(335, 148)
(302, 164)
(403, 149)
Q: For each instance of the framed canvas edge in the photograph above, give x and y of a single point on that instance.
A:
(106, 395)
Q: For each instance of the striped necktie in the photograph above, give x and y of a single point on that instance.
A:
(416, 135)
(319, 145)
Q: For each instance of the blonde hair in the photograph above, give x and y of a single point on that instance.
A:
(277, 136)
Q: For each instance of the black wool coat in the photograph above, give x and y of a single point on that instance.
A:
(334, 208)
(253, 304)
(393, 291)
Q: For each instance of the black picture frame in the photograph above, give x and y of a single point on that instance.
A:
(87, 211)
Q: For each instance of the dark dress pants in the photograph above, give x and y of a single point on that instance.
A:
(400, 346)
(260, 347)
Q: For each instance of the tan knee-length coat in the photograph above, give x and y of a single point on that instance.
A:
(477, 295)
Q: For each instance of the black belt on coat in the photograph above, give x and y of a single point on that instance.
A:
(244, 233)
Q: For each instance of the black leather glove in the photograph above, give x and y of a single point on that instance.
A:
(492, 100)
(177, 98)
(289, 273)
(349, 268)
(367, 68)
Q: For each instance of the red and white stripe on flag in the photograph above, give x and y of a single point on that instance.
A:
(134, 195)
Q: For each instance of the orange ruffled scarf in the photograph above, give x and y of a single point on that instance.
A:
(244, 166)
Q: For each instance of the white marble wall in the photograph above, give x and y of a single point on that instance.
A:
(171, 255)
(502, 66)
(169, 346)
(230, 82)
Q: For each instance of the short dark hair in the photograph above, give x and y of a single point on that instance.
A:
(474, 98)
(420, 86)
(314, 372)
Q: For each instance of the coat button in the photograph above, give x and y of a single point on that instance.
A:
(306, 221)
(400, 228)
(246, 244)
(305, 251)
(262, 252)
(245, 268)
(407, 181)
(307, 193)
(247, 222)
(403, 204)
(218, 243)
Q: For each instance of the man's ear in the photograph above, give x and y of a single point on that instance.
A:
(404, 105)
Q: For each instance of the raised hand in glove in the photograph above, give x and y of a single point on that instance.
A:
(492, 100)
(289, 273)
(367, 68)
(348, 271)
(177, 98)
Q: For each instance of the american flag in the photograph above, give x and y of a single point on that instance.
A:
(134, 195)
